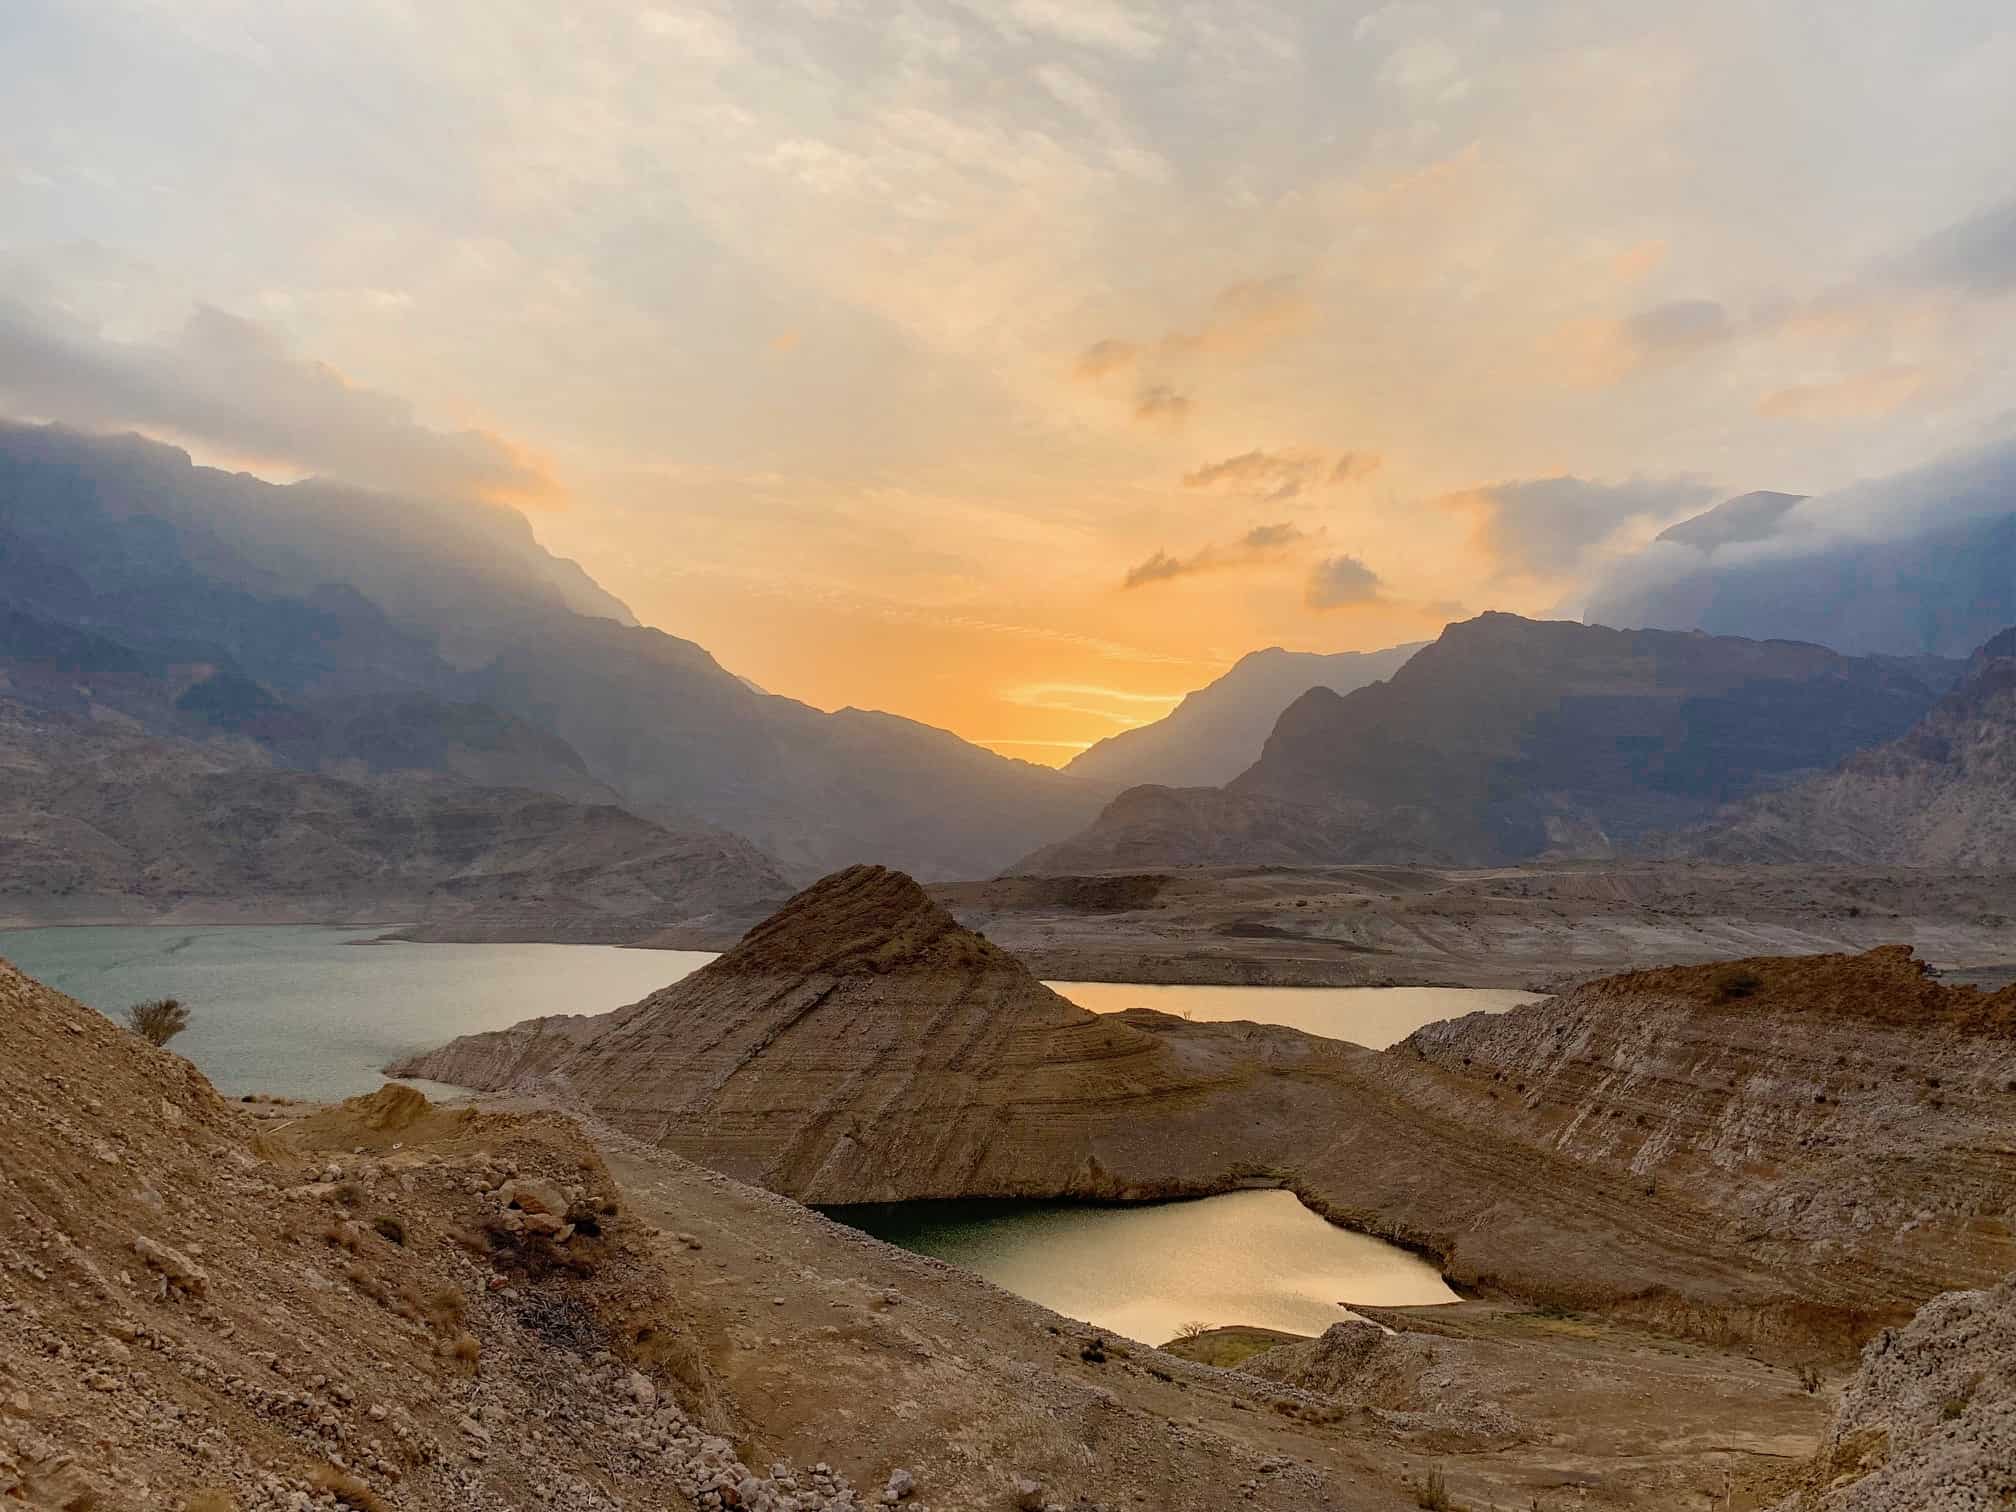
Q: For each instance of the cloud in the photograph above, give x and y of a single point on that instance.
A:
(1973, 256)
(1246, 319)
(1261, 543)
(1120, 706)
(1550, 525)
(1923, 560)
(1859, 396)
(1599, 352)
(1109, 356)
(1341, 582)
(232, 384)
(1279, 477)
(1158, 404)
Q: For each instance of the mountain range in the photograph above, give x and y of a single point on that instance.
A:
(1510, 738)
(348, 634)
(1943, 794)
(1215, 733)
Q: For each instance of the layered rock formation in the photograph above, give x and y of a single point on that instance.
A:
(860, 1046)
(1785, 1151)
(1215, 733)
(1943, 795)
(1511, 738)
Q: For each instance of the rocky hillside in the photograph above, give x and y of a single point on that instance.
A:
(1511, 738)
(1215, 733)
(1930, 1418)
(107, 822)
(1785, 1151)
(860, 1046)
(290, 604)
(379, 1306)
(1943, 795)
(263, 1307)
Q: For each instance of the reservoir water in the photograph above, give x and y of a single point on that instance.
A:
(1257, 1258)
(312, 1011)
(308, 1011)
(1372, 1016)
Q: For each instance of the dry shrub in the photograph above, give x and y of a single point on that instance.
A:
(1433, 1496)
(349, 1194)
(343, 1235)
(390, 1226)
(158, 1020)
(1733, 982)
(368, 1284)
(445, 1308)
(347, 1489)
(464, 1349)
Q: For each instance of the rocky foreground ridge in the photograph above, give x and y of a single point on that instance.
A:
(1791, 1152)
(261, 1307)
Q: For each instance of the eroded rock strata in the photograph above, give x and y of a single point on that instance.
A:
(1787, 1151)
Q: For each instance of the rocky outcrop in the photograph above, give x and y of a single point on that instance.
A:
(1930, 1418)
(1944, 795)
(1786, 1151)
(1511, 738)
(1775, 1148)
(860, 1046)
(377, 1304)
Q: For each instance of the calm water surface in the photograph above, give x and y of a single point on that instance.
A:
(306, 1011)
(314, 1012)
(1257, 1258)
(311, 1011)
(1371, 1016)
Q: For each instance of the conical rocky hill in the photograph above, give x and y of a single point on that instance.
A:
(860, 1045)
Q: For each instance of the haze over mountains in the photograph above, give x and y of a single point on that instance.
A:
(346, 632)
(1943, 794)
(1921, 563)
(1215, 733)
(1511, 738)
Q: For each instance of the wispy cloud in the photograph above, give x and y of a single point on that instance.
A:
(1341, 582)
(1281, 476)
(1261, 543)
(1552, 526)
(1858, 396)
(232, 384)
(1245, 320)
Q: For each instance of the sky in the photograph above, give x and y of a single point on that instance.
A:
(1016, 365)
